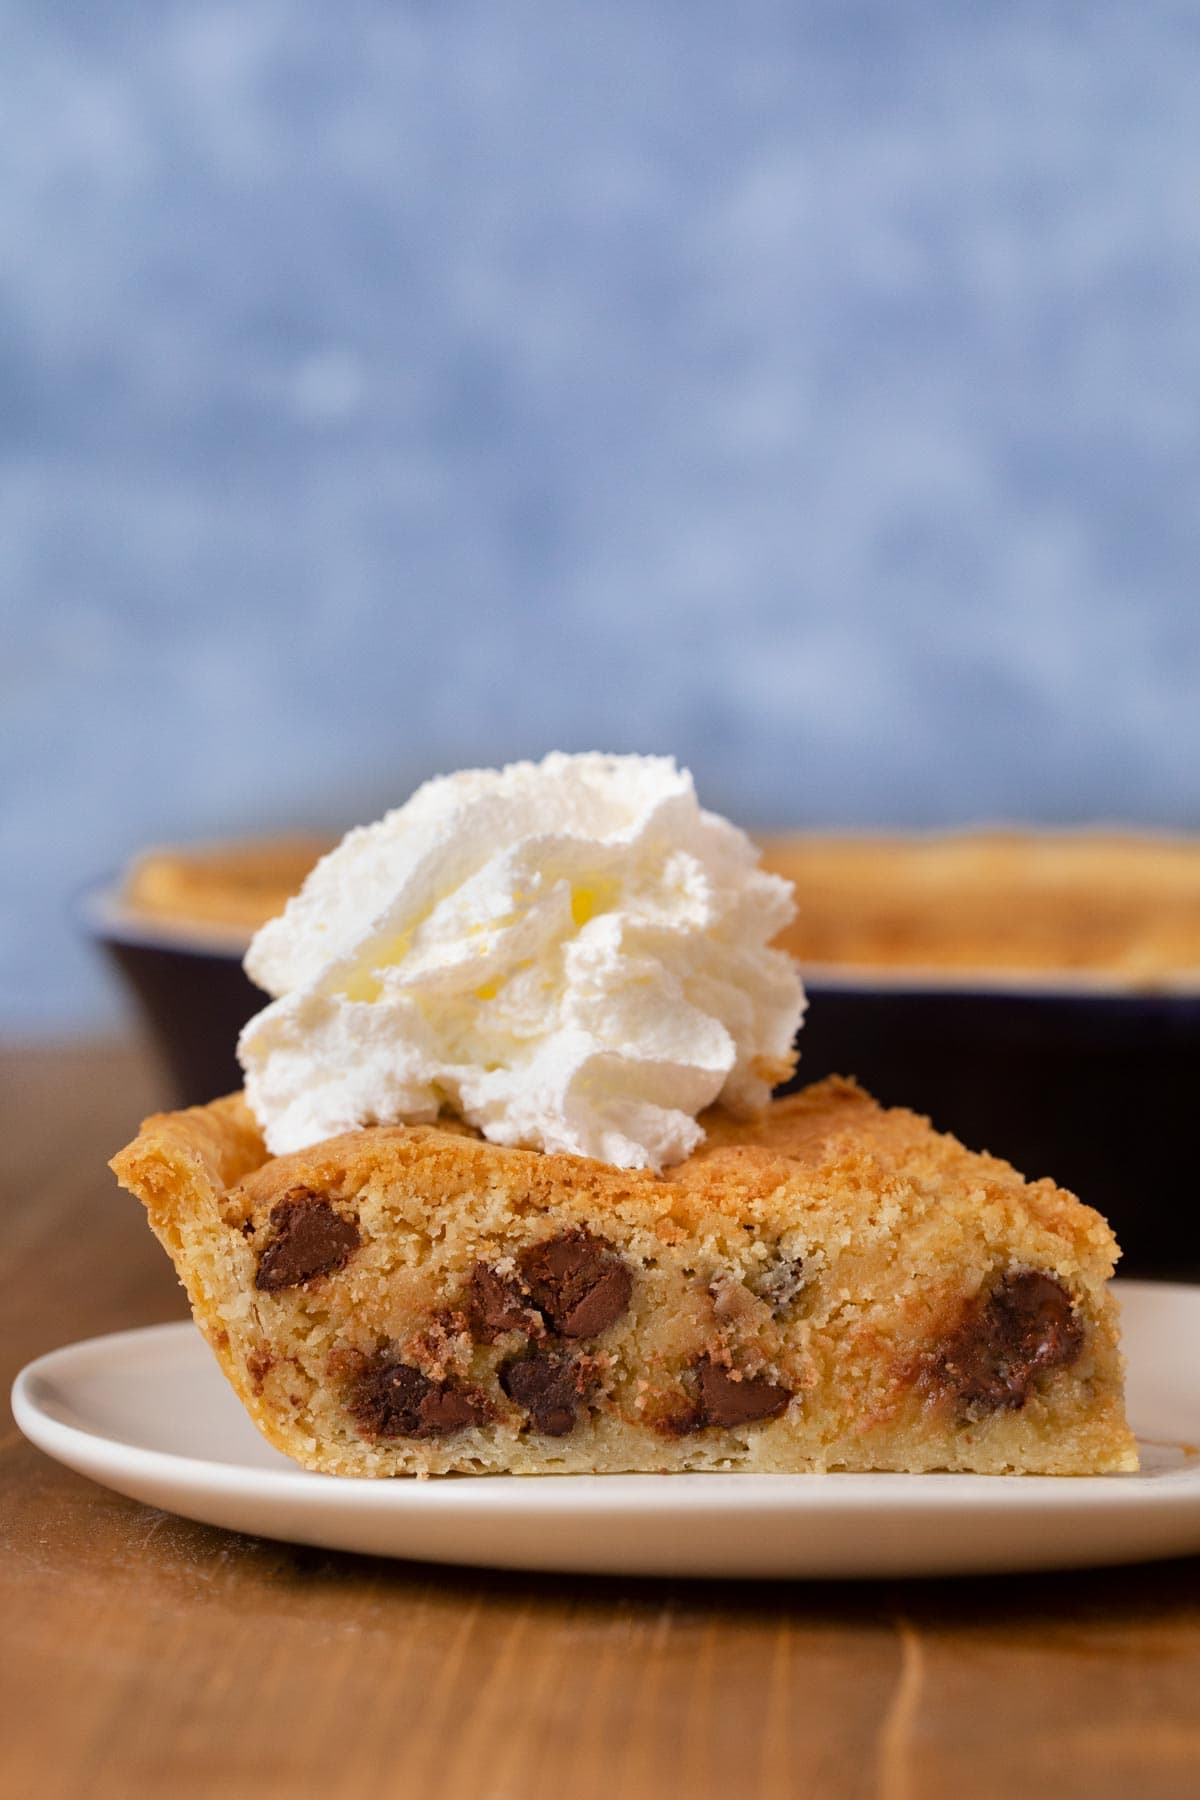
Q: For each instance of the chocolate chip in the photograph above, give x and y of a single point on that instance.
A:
(729, 1400)
(546, 1384)
(725, 1399)
(393, 1399)
(577, 1282)
(496, 1303)
(445, 1409)
(1025, 1324)
(309, 1239)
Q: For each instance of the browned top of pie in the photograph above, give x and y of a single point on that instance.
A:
(1116, 903)
(1107, 903)
(830, 1145)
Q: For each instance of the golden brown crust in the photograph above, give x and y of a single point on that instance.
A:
(221, 1142)
(1119, 903)
(887, 1231)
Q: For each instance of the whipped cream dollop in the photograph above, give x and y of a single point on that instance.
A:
(571, 955)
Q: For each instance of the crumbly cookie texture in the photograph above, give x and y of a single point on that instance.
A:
(833, 1286)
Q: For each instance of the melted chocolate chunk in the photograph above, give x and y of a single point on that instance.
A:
(546, 1384)
(309, 1239)
(577, 1282)
(728, 1401)
(1026, 1324)
(724, 1399)
(392, 1399)
(446, 1409)
(497, 1303)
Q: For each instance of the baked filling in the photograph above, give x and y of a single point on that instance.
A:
(834, 1286)
(1120, 904)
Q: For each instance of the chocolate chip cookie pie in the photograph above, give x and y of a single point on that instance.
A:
(831, 1286)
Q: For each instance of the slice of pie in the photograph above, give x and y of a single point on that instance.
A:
(834, 1286)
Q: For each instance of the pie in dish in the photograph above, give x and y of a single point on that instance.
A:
(830, 1287)
(1108, 903)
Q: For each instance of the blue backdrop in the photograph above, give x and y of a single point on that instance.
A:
(807, 390)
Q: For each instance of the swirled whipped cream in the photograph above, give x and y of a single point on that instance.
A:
(571, 955)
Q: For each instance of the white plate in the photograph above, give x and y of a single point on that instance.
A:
(149, 1414)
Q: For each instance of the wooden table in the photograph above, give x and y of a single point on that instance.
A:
(144, 1655)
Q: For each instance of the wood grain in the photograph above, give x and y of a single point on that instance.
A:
(142, 1654)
